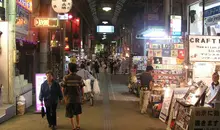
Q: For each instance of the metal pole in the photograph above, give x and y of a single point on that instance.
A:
(11, 49)
(203, 17)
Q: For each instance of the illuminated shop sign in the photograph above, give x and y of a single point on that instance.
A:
(39, 79)
(175, 25)
(27, 4)
(46, 22)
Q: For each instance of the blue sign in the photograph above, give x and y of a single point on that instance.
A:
(212, 11)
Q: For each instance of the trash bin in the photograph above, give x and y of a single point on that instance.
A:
(21, 105)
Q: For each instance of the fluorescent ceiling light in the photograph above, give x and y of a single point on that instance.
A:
(104, 33)
(106, 9)
(105, 22)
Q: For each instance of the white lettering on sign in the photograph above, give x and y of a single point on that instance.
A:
(204, 48)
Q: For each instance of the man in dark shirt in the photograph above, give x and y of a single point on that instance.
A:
(72, 89)
(146, 85)
(50, 93)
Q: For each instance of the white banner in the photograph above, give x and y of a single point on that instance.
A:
(204, 48)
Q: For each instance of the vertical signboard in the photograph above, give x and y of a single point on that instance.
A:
(39, 79)
(175, 25)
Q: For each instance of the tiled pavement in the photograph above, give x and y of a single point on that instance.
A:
(115, 109)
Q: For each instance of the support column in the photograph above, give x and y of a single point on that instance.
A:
(167, 14)
(45, 11)
(11, 49)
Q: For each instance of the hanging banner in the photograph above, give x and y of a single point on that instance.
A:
(204, 48)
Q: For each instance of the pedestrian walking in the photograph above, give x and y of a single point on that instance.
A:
(72, 89)
(50, 93)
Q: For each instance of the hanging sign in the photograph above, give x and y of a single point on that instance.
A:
(204, 48)
(175, 25)
(62, 6)
(46, 22)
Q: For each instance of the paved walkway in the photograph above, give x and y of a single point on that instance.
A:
(115, 109)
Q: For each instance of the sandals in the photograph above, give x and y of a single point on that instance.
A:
(77, 128)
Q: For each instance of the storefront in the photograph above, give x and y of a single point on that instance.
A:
(26, 40)
(211, 18)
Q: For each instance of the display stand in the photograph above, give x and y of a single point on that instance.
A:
(195, 97)
(170, 97)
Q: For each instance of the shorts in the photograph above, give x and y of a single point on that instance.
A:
(73, 109)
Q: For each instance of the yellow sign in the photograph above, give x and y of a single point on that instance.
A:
(46, 22)
(27, 4)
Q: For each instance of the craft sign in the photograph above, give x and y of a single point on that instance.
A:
(62, 6)
(46, 22)
(204, 48)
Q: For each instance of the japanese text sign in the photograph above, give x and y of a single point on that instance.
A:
(206, 119)
(62, 6)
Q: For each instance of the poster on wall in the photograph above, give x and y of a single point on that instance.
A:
(39, 79)
(204, 48)
(140, 61)
(166, 104)
(208, 68)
